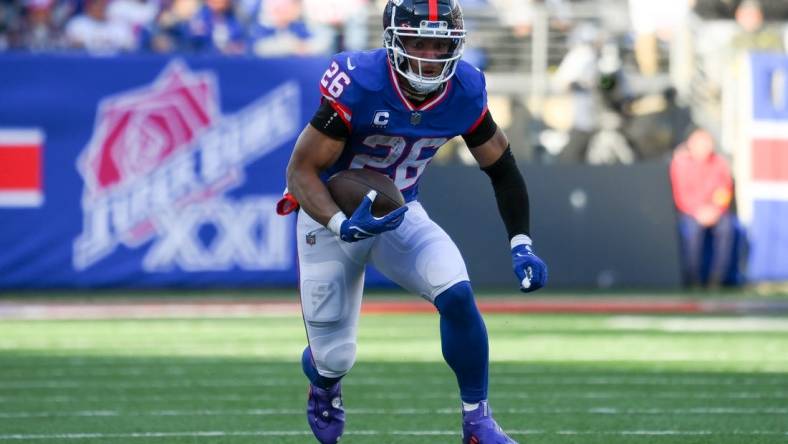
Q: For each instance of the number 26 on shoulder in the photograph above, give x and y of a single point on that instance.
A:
(334, 81)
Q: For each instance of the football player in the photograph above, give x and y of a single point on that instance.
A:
(390, 110)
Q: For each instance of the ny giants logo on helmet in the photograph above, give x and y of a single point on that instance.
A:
(161, 149)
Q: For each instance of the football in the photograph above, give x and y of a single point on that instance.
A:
(349, 187)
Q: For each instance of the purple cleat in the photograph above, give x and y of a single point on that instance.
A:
(325, 413)
(479, 427)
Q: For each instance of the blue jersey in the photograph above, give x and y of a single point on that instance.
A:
(389, 134)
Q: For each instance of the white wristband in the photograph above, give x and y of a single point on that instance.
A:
(520, 239)
(335, 223)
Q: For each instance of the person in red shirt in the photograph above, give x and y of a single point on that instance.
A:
(702, 190)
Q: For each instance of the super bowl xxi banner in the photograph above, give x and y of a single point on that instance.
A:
(148, 172)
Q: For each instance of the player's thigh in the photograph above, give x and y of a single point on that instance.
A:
(331, 274)
(419, 255)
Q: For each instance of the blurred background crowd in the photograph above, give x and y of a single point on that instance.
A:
(583, 81)
(259, 27)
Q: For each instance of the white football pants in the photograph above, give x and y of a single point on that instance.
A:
(418, 255)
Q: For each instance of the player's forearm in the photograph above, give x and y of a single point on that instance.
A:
(311, 194)
(511, 194)
(312, 154)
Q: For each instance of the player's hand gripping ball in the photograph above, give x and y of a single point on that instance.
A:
(530, 270)
(371, 200)
(349, 187)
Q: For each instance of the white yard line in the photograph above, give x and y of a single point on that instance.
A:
(746, 324)
(132, 310)
(88, 370)
(26, 398)
(436, 381)
(162, 364)
(603, 410)
(215, 434)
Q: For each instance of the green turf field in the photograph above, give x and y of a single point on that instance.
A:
(554, 379)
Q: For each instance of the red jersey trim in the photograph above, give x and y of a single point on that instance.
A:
(425, 106)
(343, 111)
(437, 100)
(478, 121)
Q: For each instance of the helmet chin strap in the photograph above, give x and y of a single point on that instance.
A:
(423, 88)
(413, 93)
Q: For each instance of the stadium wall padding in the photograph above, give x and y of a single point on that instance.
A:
(595, 227)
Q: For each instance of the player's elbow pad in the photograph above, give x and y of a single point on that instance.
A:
(511, 194)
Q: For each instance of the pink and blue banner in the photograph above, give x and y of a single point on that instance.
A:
(767, 162)
(149, 172)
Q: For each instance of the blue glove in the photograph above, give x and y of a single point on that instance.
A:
(530, 270)
(362, 224)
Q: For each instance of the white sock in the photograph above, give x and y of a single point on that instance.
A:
(469, 407)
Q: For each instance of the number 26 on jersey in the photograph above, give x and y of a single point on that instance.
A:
(334, 80)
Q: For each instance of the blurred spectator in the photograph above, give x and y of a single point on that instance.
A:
(725, 9)
(654, 21)
(715, 9)
(657, 124)
(93, 31)
(135, 14)
(340, 25)
(702, 190)
(516, 14)
(4, 33)
(754, 34)
(214, 28)
(577, 77)
(473, 53)
(519, 14)
(169, 29)
(40, 31)
(10, 23)
(278, 29)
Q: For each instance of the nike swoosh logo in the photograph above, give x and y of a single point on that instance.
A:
(521, 255)
(350, 65)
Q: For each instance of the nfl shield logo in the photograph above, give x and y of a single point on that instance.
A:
(415, 118)
(311, 238)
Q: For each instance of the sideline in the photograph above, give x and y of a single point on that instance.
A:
(147, 308)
